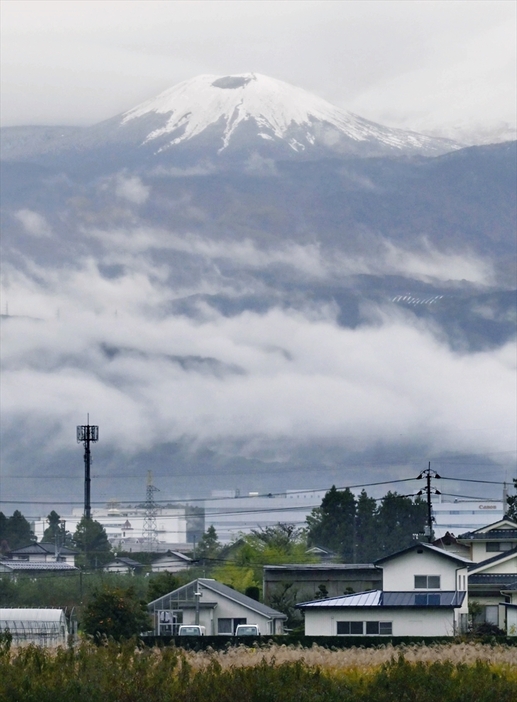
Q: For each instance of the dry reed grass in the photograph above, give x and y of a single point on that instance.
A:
(359, 659)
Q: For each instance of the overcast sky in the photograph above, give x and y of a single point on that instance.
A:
(414, 64)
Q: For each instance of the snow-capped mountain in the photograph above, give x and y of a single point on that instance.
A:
(225, 118)
(270, 110)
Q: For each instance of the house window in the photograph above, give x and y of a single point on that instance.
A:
(358, 628)
(385, 628)
(427, 600)
(352, 628)
(227, 625)
(497, 546)
(427, 582)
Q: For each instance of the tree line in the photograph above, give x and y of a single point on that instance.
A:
(363, 529)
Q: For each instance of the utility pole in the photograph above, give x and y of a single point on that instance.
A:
(87, 434)
(428, 474)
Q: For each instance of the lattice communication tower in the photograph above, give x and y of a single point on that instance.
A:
(151, 508)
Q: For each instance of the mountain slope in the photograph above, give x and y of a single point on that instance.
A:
(277, 110)
(228, 118)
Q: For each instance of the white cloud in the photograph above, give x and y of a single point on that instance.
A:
(33, 223)
(254, 379)
(132, 189)
(423, 263)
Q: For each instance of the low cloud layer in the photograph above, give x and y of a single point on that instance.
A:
(424, 262)
(80, 342)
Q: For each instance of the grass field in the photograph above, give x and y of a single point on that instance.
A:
(467, 672)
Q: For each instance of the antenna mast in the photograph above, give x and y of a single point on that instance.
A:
(87, 434)
(151, 509)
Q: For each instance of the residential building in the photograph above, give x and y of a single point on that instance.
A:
(423, 594)
(493, 548)
(43, 553)
(217, 607)
(123, 565)
(172, 562)
(38, 558)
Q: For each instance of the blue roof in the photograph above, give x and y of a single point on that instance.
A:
(380, 598)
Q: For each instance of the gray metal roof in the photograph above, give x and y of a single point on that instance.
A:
(494, 535)
(324, 566)
(36, 565)
(380, 598)
(169, 553)
(428, 547)
(492, 578)
(129, 562)
(184, 597)
(42, 547)
(244, 600)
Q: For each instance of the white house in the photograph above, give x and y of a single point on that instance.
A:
(487, 541)
(217, 607)
(486, 582)
(123, 565)
(493, 548)
(424, 594)
(43, 552)
(172, 562)
(38, 558)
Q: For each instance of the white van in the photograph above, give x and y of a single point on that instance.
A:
(191, 630)
(247, 630)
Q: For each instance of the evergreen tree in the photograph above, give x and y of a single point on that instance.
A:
(360, 531)
(15, 532)
(54, 528)
(91, 540)
(333, 523)
(208, 547)
(398, 518)
(4, 545)
(366, 535)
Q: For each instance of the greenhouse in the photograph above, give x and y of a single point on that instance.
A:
(43, 627)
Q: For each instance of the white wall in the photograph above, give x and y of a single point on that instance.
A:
(399, 573)
(225, 609)
(411, 622)
(509, 567)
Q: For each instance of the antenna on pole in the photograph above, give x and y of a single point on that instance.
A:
(428, 474)
(151, 509)
(87, 434)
